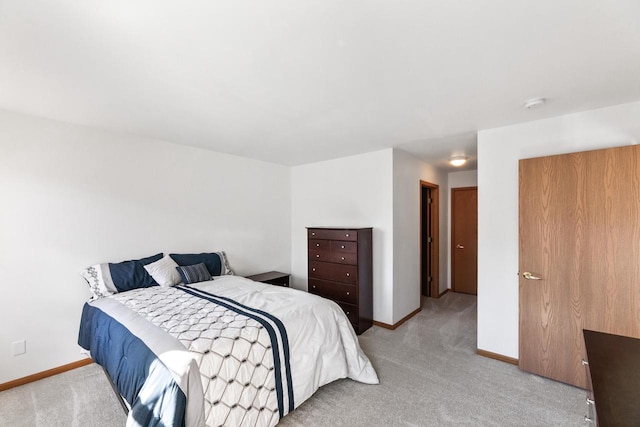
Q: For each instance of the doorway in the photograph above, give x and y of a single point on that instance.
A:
(429, 227)
(464, 240)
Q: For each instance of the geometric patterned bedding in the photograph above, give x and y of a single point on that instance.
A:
(233, 352)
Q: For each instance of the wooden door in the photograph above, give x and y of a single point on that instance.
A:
(429, 239)
(580, 249)
(425, 240)
(464, 240)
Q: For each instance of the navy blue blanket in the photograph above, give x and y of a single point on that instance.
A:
(132, 367)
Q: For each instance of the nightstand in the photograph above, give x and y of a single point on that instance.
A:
(272, 277)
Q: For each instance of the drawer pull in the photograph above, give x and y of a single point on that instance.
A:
(348, 275)
(342, 246)
(584, 362)
(347, 235)
(347, 293)
(348, 313)
(590, 401)
(313, 286)
(317, 255)
(313, 269)
(342, 258)
(313, 234)
(317, 244)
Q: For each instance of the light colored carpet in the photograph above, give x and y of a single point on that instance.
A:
(78, 398)
(429, 373)
(430, 376)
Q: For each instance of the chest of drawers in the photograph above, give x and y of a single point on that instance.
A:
(341, 269)
(613, 367)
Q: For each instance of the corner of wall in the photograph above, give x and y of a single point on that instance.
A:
(408, 171)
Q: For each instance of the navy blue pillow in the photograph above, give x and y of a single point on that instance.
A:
(194, 273)
(129, 275)
(211, 260)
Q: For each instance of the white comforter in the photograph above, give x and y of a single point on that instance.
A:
(323, 345)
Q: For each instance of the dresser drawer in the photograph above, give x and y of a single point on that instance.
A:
(321, 233)
(335, 291)
(336, 257)
(351, 311)
(334, 272)
(319, 245)
(344, 247)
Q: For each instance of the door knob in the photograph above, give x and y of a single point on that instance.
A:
(530, 276)
(459, 246)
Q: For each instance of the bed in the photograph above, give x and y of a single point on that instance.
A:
(226, 351)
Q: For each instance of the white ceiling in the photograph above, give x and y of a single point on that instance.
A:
(295, 82)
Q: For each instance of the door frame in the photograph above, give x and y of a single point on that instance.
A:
(453, 243)
(434, 287)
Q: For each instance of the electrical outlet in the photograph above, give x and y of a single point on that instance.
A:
(19, 347)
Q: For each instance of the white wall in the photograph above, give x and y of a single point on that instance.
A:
(498, 153)
(456, 180)
(407, 173)
(74, 196)
(352, 191)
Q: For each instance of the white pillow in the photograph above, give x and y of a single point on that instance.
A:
(164, 271)
(99, 279)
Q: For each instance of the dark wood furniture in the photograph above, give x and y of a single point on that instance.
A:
(341, 269)
(613, 365)
(272, 277)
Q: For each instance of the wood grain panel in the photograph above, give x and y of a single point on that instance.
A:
(351, 311)
(552, 199)
(319, 245)
(334, 291)
(335, 257)
(332, 234)
(579, 231)
(333, 272)
(464, 240)
(613, 296)
(344, 247)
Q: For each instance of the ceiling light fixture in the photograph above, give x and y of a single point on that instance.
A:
(458, 160)
(535, 102)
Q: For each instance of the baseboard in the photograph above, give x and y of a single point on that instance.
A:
(444, 292)
(395, 325)
(45, 374)
(497, 356)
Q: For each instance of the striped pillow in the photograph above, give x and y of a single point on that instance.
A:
(194, 273)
